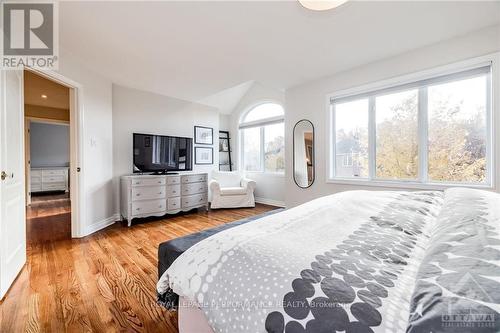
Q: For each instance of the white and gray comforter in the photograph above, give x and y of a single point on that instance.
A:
(357, 262)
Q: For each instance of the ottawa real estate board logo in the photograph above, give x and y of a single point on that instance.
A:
(30, 34)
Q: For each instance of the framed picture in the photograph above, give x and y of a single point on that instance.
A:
(203, 135)
(203, 155)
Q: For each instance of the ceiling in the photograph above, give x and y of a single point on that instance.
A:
(35, 86)
(199, 51)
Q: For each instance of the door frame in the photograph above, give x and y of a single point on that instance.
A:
(77, 195)
(27, 147)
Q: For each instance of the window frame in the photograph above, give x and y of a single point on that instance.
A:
(261, 124)
(415, 81)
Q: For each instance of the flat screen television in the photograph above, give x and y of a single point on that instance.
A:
(160, 153)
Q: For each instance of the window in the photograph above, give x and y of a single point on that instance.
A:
(347, 160)
(262, 133)
(396, 139)
(430, 131)
(351, 119)
(251, 148)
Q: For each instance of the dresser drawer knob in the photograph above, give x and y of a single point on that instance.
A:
(137, 209)
(160, 206)
(160, 193)
(174, 191)
(138, 195)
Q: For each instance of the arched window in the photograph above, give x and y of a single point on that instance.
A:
(262, 137)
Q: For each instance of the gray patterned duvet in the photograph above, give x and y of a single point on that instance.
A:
(356, 262)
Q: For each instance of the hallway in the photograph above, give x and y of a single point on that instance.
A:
(48, 218)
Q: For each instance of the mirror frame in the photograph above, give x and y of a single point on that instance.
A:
(313, 153)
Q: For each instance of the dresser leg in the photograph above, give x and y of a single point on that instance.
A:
(129, 222)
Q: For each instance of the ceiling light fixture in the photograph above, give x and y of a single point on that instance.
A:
(321, 4)
(44, 96)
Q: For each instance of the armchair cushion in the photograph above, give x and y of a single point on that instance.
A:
(227, 178)
(233, 191)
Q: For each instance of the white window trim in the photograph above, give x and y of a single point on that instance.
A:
(492, 149)
(261, 123)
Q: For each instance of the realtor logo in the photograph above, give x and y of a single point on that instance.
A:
(29, 35)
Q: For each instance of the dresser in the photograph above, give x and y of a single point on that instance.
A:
(49, 179)
(151, 195)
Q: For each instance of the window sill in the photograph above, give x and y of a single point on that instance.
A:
(406, 185)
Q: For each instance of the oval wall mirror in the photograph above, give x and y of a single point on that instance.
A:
(303, 153)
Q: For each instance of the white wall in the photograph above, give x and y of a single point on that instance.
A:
(270, 187)
(49, 145)
(224, 122)
(97, 167)
(144, 112)
(309, 100)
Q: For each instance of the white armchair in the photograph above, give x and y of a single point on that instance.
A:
(231, 190)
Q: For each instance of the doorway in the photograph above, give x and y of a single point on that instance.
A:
(47, 162)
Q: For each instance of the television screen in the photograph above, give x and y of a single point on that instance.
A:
(156, 153)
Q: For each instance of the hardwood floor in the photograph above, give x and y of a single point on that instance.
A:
(48, 218)
(101, 283)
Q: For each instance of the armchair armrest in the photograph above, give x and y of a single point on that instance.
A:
(248, 184)
(214, 186)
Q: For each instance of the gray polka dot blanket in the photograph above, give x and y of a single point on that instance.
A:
(357, 261)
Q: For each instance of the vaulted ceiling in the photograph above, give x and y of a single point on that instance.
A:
(200, 50)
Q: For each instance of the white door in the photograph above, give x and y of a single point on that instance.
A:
(12, 196)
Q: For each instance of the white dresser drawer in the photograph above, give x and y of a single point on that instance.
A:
(55, 172)
(148, 181)
(36, 179)
(36, 187)
(174, 203)
(193, 188)
(148, 193)
(171, 180)
(173, 190)
(36, 173)
(193, 178)
(157, 195)
(53, 179)
(194, 200)
(61, 186)
(147, 207)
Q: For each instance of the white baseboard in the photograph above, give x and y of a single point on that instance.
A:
(270, 202)
(101, 225)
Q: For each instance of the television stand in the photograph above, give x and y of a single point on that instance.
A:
(159, 195)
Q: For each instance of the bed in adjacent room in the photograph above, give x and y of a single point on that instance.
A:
(355, 261)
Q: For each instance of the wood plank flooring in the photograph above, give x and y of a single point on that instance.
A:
(101, 283)
(48, 218)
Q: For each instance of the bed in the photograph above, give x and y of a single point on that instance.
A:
(355, 261)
